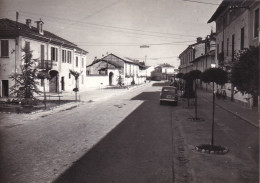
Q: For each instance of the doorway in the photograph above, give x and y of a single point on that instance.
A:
(54, 86)
(5, 88)
(62, 83)
(111, 76)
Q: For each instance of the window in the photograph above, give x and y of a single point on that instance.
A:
(256, 23)
(227, 45)
(42, 52)
(69, 57)
(242, 38)
(4, 48)
(54, 54)
(77, 62)
(82, 63)
(64, 58)
(69, 75)
(27, 44)
(222, 47)
(42, 82)
(233, 47)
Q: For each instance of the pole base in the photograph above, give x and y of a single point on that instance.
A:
(196, 119)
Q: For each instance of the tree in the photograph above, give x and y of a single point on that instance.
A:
(245, 72)
(44, 75)
(76, 76)
(26, 82)
(180, 76)
(218, 76)
(194, 75)
(120, 80)
(188, 89)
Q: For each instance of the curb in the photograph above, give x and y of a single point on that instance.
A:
(246, 120)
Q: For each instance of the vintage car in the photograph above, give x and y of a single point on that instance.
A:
(169, 95)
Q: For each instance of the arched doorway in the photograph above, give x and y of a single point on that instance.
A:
(54, 84)
(111, 76)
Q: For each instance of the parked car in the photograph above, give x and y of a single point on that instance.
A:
(169, 95)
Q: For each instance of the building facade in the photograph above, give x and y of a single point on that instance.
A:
(106, 71)
(50, 52)
(237, 28)
(198, 56)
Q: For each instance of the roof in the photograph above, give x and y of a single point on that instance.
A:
(116, 64)
(11, 29)
(224, 4)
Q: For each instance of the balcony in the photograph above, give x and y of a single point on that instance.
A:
(45, 64)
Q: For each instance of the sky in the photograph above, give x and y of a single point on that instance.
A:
(120, 27)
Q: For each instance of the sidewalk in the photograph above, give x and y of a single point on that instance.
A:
(244, 113)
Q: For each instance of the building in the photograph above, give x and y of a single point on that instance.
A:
(237, 27)
(49, 51)
(186, 57)
(106, 71)
(198, 56)
(167, 70)
(204, 53)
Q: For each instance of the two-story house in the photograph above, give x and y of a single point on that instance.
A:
(237, 27)
(186, 57)
(49, 51)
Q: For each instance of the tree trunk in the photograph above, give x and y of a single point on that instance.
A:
(213, 115)
(44, 92)
(196, 112)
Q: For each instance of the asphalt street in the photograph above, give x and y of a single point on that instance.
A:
(140, 149)
(128, 138)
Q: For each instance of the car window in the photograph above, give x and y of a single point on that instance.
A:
(169, 89)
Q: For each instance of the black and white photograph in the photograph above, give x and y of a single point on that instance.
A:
(129, 91)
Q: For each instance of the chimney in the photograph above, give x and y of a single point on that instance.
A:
(199, 39)
(39, 27)
(29, 23)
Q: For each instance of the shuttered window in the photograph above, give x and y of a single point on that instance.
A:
(4, 48)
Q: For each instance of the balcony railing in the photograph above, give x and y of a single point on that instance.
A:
(45, 64)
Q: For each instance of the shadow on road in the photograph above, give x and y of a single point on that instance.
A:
(139, 149)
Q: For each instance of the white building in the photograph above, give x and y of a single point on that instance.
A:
(48, 50)
(106, 71)
(237, 27)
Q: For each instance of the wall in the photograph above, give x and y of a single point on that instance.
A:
(7, 65)
(233, 28)
(93, 82)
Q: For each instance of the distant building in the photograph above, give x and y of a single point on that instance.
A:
(186, 57)
(204, 53)
(198, 56)
(106, 71)
(48, 50)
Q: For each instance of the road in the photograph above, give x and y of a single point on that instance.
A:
(128, 138)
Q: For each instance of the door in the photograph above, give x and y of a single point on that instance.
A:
(62, 83)
(111, 78)
(54, 82)
(5, 88)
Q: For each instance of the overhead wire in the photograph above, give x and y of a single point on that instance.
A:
(116, 27)
(88, 16)
(201, 2)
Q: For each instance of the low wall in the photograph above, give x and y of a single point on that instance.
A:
(97, 81)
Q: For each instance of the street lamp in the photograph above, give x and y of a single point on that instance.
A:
(213, 65)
